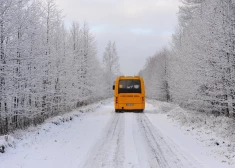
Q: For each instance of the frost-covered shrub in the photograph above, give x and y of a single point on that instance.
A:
(221, 126)
(59, 119)
(5, 142)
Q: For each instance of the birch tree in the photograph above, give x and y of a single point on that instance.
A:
(111, 66)
(45, 69)
(155, 76)
(201, 60)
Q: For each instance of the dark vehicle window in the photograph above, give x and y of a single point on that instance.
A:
(129, 86)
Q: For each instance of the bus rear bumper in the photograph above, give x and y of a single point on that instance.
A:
(130, 107)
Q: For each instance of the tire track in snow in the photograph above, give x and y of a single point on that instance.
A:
(162, 152)
(109, 150)
(156, 159)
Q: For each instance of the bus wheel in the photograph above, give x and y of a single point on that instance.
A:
(116, 111)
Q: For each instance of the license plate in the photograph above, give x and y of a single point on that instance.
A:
(129, 104)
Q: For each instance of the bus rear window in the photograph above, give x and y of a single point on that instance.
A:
(129, 86)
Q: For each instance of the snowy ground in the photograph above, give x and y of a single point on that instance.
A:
(96, 136)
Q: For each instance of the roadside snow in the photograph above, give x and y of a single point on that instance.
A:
(164, 135)
(30, 135)
(212, 136)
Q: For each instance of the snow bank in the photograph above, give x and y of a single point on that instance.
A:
(7, 141)
(216, 133)
(77, 112)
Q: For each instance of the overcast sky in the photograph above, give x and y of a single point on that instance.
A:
(139, 27)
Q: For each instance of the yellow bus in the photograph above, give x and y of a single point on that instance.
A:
(129, 94)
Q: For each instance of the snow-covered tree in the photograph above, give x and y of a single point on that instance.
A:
(202, 53)
(200, 64)
(155, 76)
(111, 66)
(45, 69)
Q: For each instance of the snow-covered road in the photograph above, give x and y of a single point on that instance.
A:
(103, 138)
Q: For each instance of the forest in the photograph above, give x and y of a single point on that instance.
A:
(197, 71)
(45, 68)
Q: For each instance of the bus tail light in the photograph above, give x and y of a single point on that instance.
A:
(116, 99)
(142, 99)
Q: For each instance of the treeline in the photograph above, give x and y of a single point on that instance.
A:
(45, 69)
(198, 71)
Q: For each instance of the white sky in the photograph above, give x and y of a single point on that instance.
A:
(139, 27)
